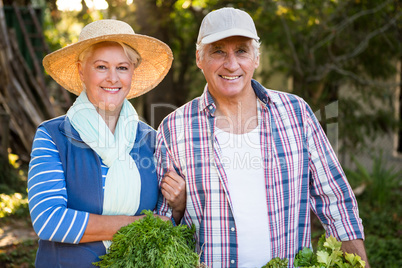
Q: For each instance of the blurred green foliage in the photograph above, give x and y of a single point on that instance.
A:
(12, 175)
(381, 211)
(13, 205)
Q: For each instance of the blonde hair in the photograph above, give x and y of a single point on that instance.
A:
(130, 52)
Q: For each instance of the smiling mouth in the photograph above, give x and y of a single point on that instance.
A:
(230, 77)
(109, 89)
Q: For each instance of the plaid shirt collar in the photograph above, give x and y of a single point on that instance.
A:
(265, 96)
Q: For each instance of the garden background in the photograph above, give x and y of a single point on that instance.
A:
(343, 57)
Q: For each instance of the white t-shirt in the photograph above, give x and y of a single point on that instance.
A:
(241, 157)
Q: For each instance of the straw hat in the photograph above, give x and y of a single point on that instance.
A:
(156, 56)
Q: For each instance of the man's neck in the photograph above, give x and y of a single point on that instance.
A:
(237, 116)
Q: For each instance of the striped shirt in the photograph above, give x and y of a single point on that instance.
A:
(300, 167)
(47, 194)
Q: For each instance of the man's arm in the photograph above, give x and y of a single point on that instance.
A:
(173, 187)
(357, 247)
(337, 197)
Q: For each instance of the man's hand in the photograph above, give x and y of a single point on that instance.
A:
(173, 188)
(356, 247)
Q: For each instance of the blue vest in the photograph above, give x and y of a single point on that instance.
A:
(82, 170)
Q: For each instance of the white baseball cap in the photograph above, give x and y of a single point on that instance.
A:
(226, 22)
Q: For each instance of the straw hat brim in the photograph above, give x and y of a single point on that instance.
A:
(156, 60)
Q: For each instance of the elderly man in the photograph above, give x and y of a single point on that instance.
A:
(254, 161)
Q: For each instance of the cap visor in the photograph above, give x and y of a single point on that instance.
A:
(228, 33)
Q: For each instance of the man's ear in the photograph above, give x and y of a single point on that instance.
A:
(198, 60)
(257, 61)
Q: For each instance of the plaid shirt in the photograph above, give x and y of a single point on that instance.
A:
(301, 173)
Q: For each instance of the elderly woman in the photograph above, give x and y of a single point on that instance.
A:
(92, 170)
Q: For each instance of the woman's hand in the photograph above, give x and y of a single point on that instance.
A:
(173, 188)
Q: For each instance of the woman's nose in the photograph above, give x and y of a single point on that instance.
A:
(112, 77)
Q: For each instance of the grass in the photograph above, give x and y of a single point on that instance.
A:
(19, 255)
(14, 208)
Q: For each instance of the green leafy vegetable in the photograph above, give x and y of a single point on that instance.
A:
(277, 263)
(328, 255)
(305, 257)
(151, 242)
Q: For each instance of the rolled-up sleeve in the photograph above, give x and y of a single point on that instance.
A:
(332, 198)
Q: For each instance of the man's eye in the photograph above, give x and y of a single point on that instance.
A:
(218, 52)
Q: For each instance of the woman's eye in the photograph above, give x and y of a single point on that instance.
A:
(101, 67)
(122, 68)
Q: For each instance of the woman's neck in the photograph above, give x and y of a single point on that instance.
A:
(110, 117)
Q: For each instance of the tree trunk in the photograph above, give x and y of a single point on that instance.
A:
(153, 20)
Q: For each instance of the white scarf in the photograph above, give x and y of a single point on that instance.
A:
(123, 182)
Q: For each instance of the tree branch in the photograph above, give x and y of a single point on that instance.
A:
(292, 47)
(357, 78)
(345, 23)
(364, 43)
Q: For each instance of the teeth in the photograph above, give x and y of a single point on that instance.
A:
(230, 77)
(111, 89)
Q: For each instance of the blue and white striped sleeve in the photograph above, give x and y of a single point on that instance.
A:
(47, 195)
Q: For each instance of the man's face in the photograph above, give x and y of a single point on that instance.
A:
(228, 66)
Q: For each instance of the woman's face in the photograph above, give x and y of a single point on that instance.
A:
(106, 74)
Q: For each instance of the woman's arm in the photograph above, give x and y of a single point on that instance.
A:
(103, 227)
(47, 194)
(51, 218)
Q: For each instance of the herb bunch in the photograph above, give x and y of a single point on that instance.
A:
(277, 263)
(328, 255)
(151, 242)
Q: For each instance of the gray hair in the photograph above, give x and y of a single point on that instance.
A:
(256, 45)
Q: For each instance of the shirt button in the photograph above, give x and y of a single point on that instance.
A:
(232, 229)
(232, 261)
